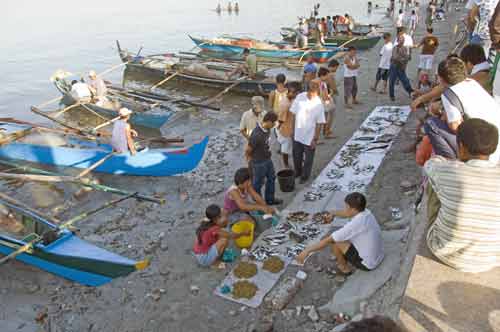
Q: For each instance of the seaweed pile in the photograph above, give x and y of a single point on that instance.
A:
(244, 289)
(273, 264)
(245, 270)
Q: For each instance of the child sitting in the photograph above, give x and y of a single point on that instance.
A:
(211, 238)
(424, 83)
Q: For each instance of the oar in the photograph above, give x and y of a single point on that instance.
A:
(95, 165)
(81, 182)
(49, 102)
(165, 80)
(59, 122)
(113, 68)
(58, 114)
(87, 214)
(226, 90)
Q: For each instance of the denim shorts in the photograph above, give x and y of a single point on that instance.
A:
(209, 257)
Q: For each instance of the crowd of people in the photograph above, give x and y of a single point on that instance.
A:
(456, 145)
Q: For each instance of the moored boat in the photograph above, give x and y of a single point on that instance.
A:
(167, 64)
(142, 112)
(361, 42)
(79, 152)
(58, 250)
(263, 49)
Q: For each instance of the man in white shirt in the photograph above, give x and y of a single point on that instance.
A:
(465, 98)
(400, 19)
(385, 63)
(359, 242)
(80, 91)
(309, 115)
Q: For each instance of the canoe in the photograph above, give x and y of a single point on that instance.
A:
(360, 42)
(65, 254)
(164, 65)
(262, 49)
(78, 152)
(142, 113)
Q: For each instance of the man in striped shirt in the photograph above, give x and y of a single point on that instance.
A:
(466, 232)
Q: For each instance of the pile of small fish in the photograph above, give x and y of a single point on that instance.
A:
(356, 185)
(313, 195)
(327, 187)
(284, 227)
(298, 216)
(275, 239)
(293, 251)
(363, 170)
(310, 231)
(262, 253)
(323, 217)
(335, 173)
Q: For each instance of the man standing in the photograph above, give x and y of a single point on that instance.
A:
(494, 27)
(482, 11)
(250, 118)
(259, 153)
(309, 116)
(284, 131)
(429, 46)
(399, 61)
(384, 64)
(97, 87)
(351, 70)
(466, 232)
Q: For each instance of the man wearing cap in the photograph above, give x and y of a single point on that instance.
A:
(250, 118)
(97, 87)
(121, 138)
(310, 71)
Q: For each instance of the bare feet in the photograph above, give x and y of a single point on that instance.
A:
(344, 268)
(373, 89)
(356, 102)
(348, 107)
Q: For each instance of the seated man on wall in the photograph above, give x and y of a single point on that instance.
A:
(466, 233)
(359, 242)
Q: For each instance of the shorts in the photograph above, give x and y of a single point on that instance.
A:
(350, 87)
(286, 143)
(209, 257)
(238, 215)
(382, 74)
(352, 256)
(426, 61)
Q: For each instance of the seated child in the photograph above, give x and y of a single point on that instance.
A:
(211, 238)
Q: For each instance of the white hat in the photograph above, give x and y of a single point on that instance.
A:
(92, 73)
(123, 112)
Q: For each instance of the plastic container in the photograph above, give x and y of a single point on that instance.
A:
(286, 179)
(242, 226)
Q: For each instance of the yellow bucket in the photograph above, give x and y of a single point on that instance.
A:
(242, 226)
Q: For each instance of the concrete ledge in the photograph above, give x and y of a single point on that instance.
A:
(362, 285)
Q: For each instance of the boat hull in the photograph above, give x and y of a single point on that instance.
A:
(140, 117)
(154, 162)
(317, 55)
(361, 43)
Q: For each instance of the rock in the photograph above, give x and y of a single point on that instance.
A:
(407, 186)
(41, 315)
(357, 318)
(232, 313)
(340, 279)
(283, 293)
(32, 288)
(298, 310)
(313, 314)
(156, 294)
(288, 314)
(194, 289)
(164, 246)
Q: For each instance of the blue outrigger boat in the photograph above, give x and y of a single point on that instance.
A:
(77, 151)
(34, 240)
(263, 49)
(142, 115)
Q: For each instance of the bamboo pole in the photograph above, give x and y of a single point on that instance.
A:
(87, 214)
(113, 68)
(66, 109)
(49, 102)
(165, 80)
(59, 122)
(95, 165)
(19, 251)
(226, 90)
(105, 124)
(15, 136)
(81, 182)
(94, 112)
(14, 201)
(38, 178)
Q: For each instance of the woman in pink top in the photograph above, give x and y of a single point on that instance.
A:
(211, 237)
(237, 204)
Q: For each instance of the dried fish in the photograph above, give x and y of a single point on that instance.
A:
(293, 251)
(323, 217)
(262, 253)
(356, 185)
(335, 173)
(312, 196)
(327, 187)
(363, 170)
(298, 216)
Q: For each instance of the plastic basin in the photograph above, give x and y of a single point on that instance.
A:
(242, 226)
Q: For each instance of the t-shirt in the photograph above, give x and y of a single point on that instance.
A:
(413, 22)
(466, 233)
(400, 20)
(308, 114)
(364, 233)
(249, 121)
(100, 87)
(350, 72)
(385, 56)
(80, 90)
(408, 41)
(429, 45)
(477, 103)
(208, 238)
(251, 63)
(259, 142)
(285, 118)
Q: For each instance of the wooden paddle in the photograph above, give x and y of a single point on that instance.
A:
(164, 81)
(226, 90)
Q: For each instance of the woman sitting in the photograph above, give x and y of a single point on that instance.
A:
(237, 204)
(211, 238)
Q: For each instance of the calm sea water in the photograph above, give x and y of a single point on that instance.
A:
(39, 37)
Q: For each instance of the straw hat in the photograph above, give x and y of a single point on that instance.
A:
(123, 112)
(92, 74)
